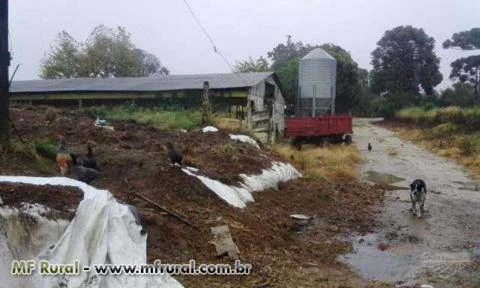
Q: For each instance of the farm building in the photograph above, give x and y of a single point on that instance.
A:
(255, 97)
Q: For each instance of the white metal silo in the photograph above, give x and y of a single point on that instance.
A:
(317, 75)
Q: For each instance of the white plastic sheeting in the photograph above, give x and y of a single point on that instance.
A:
(238, 196)
(244, 138)
(103, 231)
(209, 129)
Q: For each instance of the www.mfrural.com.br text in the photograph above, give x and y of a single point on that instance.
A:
(44, 267)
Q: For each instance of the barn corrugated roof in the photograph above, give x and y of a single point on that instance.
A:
(318, 53)
(140, 84)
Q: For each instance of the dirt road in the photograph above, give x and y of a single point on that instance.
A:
(440, 249)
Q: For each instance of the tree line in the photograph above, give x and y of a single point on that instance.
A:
(405, 72)
(106, 53)
(405, 67)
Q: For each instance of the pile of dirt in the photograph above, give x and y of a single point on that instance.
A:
(61, 200)
(133, 145)
(133, 159)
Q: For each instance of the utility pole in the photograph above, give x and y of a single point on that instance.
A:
(4, 64)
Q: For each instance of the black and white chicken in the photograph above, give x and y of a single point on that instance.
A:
(88, 160)
(83, 174)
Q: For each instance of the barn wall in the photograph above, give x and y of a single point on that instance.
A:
(257, 97)
(257, 93)
(221, 96)
(279, 111)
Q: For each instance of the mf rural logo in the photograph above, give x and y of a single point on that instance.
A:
(448, 264)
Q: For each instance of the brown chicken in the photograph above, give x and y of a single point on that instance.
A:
(63, 157)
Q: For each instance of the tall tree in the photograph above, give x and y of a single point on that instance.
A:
(109, 53)
(460, 94)
(151, 64)
(106, 53)
(285, 64)
(404, 60)
(466, 69)
(4, 63)
(63, 60)
(251, 65)
(349, 87)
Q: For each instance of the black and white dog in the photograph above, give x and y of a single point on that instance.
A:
(418, 193)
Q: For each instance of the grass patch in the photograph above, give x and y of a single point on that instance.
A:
(46, 148)
(466, 117)
(153, 116)
(450, 141)
(162, 118)
(28, 152)
(332, 162)
(226, 123)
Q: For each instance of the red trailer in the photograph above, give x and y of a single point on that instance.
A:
(320, 129)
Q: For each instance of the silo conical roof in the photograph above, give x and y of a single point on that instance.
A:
(318, 53)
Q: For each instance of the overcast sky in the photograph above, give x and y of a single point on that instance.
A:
(240, 28)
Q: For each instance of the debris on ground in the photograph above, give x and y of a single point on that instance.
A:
(209, 129)
(244, 138)
(222, 239)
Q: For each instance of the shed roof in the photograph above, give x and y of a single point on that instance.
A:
(141, 84)
(318, 53)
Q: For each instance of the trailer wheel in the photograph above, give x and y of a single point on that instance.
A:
(348, 139)
(297, 143)
(325, 141)
(338, 139)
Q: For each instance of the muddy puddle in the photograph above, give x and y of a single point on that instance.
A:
(404, 248)
(371, 258)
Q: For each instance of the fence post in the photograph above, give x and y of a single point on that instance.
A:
(205, 104)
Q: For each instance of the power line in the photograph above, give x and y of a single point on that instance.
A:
(215, 49)
(200, 25)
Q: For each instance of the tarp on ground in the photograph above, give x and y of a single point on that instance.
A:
(103, 231)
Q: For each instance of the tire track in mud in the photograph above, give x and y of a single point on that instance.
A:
(443, 246)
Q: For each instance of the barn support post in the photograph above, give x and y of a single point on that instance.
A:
(206, 110)
(4, 81)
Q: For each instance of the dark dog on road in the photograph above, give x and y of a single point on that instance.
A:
(418, 193)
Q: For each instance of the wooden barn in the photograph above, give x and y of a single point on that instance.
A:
(255, 97)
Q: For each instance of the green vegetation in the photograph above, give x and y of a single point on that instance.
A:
(285, 58)
(155, 116)
(404, 61)
(251, 65)
(46, 148)
(452, 132)
(466, 69)
(106, 53)
(469, 118)
(38, 153)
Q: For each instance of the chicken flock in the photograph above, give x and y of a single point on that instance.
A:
(86, 168)
(83, 166)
